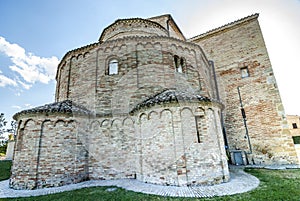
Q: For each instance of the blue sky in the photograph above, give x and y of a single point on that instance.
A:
(35, 35)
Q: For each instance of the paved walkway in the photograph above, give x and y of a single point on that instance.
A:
(240, 182)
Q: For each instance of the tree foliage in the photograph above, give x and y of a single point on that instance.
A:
(3, 123)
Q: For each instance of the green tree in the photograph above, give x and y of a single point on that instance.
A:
(3, 123)
(13, 129)
(3, 143)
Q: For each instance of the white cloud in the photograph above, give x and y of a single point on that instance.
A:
(25, 106)
(4, 81)
(30, 67)
(24, 85)
(28, 105)
(16, 107)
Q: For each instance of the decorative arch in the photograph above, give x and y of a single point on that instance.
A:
(186, 108)
(199, 111)
(151, 114)
(79, 56)
(60, 121)
(115, 122)
(128, 120)
(73, 58)
(86, 54)
(26, 122)
(164, 111)
(94, 123)
(142, 116)
(105, 123)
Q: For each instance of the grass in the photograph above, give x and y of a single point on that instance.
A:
(274, 185)
(5, 170)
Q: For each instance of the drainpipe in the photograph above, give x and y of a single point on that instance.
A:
(211, 63)
(245, 122)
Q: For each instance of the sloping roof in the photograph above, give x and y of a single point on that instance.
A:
(170, 96)
(170, 19)
(67, 107)
(224, 27)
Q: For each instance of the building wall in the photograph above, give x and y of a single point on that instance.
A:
(169, 24)
(146, 67)
(50, 151)
(294, 132)
(156, 145)
(239, 45)
(170, 152)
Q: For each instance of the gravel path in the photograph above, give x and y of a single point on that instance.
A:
(240, 182)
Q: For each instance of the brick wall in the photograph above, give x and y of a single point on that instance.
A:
(145, 68)
(233, 47)
(50, 151)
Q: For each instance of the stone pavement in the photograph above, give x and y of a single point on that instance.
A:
(240, 182)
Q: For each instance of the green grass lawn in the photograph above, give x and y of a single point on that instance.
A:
(274, 185)
(5, 170)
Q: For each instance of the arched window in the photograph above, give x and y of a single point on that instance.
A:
(113, 67)
(179, 62)
(181, 65)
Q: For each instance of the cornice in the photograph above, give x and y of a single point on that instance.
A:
(225, 27)
(74, 52)
(128, 21)
(124, 40)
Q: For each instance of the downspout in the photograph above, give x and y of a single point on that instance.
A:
(245, 122)
(211, 63)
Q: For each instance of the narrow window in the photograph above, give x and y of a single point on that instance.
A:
(113, 67)
(295, 125)
(178, 64)
(296, 139)
(199, 128)
(181, 65)
(244, 72)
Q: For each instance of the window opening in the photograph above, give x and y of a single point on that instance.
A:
(178, 64)
(295, 125)
(296, 139)
(181, 65)
(113, 67)
(199, 127)
(244, 72)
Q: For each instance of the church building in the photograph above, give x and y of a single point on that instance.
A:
(146, 103)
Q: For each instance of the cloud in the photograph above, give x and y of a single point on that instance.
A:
(25, 106)
(4, 81)
(24, 85)
(16, 107)
(28, 105)
(30, 67)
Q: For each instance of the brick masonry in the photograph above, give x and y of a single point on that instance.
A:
(233, 47)
(150, 122)
(294, 130)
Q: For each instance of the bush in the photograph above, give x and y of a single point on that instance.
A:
(3, 148)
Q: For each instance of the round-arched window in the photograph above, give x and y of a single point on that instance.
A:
(113, 67)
